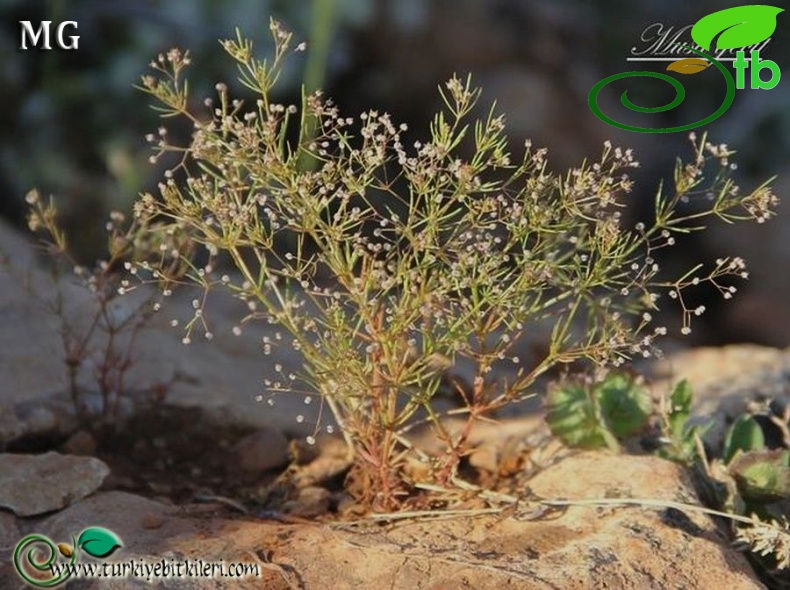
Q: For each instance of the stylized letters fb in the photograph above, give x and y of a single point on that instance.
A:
(735, 27)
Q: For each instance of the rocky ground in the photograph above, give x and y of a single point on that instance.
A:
(209, 473)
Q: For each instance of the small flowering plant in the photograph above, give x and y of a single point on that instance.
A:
(99, 339)
(380, 258)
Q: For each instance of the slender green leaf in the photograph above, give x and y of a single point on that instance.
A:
(680, 408)
(744, 435)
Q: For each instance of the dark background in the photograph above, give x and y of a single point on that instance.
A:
(72, 125)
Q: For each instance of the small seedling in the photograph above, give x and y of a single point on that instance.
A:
(681, 442)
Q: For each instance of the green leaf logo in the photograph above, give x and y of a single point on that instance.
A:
(98, 542)
(739, 26)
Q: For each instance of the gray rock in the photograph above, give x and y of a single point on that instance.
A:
(36, 484)
(42, 420)
(9, 531)
(311, 502)
(81, 443)
(50, 415)
(260, 451)
(10, 535)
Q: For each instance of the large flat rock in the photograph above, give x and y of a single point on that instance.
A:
(582, 547)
